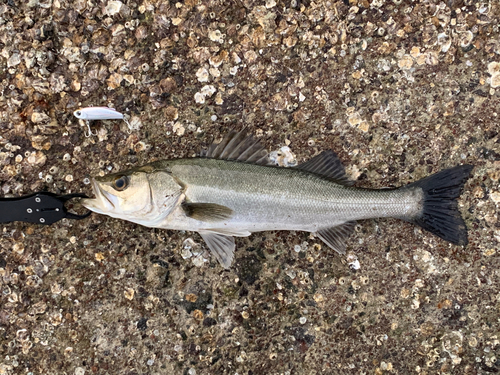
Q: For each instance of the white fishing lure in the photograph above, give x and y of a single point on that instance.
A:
(98, 113)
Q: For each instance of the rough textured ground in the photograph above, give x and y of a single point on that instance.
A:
(399, 89)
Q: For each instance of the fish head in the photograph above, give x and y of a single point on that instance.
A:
(141, 196)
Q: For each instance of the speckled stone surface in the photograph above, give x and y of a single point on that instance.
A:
(399, 89)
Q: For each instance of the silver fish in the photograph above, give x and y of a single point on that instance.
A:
(233, 191)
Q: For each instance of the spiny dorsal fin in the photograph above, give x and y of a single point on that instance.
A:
(335, 237)
(221, 246)
(239, 146)
(207, 211)
(327, 164)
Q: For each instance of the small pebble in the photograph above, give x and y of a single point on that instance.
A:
(129, 293)
(186, 254)
(318, 297)
(18, 248)
(199, 261)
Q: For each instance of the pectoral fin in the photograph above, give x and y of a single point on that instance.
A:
(335, 237)
(208, 212)
(221, 246)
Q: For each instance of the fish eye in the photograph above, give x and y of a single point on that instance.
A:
(121, 183)
(78, 113)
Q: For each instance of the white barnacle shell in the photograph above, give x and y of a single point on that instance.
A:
(494, 70)
(14, 60)
(444, 41)
(284, 157)
(113, 7)
(39, 117)
(495, 80)
(202, 75)
(216, 36)
(466, 38)
(494, 67)
(208, 90)
(199, 98)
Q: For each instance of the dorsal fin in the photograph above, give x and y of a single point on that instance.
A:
(239, 146)
(327, 164)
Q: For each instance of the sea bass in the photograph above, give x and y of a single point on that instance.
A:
(233, 191)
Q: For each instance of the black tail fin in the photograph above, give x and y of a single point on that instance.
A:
(440, 214)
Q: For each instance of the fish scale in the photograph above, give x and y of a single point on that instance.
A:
(263, 197)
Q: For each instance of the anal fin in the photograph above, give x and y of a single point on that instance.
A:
(336, 237)
(222, 247)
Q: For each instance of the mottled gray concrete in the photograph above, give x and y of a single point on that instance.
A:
(399, 89)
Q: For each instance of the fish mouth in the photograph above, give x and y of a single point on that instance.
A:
(102, 203)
